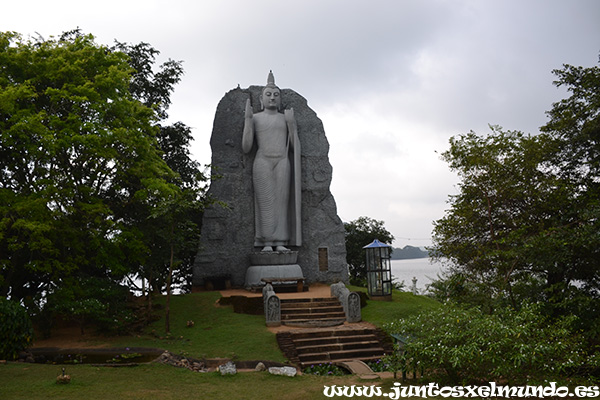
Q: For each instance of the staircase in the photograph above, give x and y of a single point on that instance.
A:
(310, 347)
(312, 312)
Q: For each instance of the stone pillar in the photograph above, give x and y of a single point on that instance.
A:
(350, 301)
(272, 306)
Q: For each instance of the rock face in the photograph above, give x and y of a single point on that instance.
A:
(228, 232)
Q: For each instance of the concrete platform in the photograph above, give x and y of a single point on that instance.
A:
(315, 290)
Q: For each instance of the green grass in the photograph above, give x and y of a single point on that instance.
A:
(217, 333)
(402, 305)
(220, 333)
(161, 382)
(154, 381)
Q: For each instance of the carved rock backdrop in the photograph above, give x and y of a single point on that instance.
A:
(228, 233)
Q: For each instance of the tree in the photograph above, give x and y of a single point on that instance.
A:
(171, 230)
(526, 220)
(79, 165)
(153, 87)
(360, 233)
(16, 331)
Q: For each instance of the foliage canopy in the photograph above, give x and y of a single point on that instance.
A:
(93, 186)
(525, 225)
(360, 233)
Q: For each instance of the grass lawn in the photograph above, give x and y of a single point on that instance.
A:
(218, 332)
(402, 305)
(160, 382)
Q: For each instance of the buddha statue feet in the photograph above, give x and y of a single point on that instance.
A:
(282, 249)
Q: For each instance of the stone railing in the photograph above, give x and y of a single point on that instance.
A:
(272, 306)
(350, 301)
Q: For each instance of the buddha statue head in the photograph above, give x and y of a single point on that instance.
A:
(271, 95)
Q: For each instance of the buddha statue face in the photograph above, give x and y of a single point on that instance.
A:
(271, 98)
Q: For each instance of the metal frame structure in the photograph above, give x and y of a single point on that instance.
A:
(379, 270)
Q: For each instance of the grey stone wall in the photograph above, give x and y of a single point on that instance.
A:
(228, 232)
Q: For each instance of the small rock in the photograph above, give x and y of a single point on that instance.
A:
(3, 361)
(228, 369)
(260, 367)
(181, 362)
(198, 367)
(64, 379)
(286, 371)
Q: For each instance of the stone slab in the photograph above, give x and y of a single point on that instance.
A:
(285, 371)
(274, 258)
(256, 273)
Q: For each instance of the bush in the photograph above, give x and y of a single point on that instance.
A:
(328, 369)
(93, 301)
(16, 330)
(470, 346)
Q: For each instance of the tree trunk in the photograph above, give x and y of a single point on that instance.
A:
(169, 277)
(149, 299)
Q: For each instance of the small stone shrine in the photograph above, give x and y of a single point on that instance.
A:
(270, 158)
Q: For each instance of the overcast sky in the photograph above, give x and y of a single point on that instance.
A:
(391, 80)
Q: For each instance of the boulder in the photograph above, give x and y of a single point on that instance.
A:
(228, 368)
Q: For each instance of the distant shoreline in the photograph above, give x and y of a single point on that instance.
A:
(409, 253)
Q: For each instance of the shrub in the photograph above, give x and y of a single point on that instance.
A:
(93, 301)
(398, 360)
(16, 330)
(470, 346)
(327, 369)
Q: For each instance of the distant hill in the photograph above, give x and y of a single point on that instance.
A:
(408, 252)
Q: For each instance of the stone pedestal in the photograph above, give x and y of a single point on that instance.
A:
(277, 265)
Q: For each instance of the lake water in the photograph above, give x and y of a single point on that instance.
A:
(422, 268)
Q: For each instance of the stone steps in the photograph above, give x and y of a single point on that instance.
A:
(332, 340)
(335, 356)
(311, 312)
(314, 314)
(323, 346)
(337, 347)
(309, 301)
